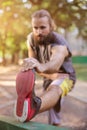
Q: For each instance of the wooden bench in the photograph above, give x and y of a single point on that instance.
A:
(9, 123)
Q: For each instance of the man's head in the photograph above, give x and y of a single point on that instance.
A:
(42, 25)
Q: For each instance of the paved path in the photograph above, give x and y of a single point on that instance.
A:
(74, 108)
(80, 91)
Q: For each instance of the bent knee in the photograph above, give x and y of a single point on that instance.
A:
(55, 88)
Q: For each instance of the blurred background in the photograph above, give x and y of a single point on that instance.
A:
(70, 17)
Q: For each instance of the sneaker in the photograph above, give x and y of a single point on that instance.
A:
(30, 109)
(27, 104)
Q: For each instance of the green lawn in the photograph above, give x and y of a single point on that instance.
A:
(81, 71)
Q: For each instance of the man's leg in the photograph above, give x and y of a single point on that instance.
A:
(55, 114)
(50, 97)
(47, 101)
(54, 117)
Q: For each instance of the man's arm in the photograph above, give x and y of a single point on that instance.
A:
(54, 75)
(58, 55)
(57, 58)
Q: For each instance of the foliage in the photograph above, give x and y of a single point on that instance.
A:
(15, 21)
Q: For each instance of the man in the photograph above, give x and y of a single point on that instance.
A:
(50, 56)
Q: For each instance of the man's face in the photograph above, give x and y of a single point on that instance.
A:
(41, 28)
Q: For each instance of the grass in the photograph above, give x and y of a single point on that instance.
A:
(81, 71)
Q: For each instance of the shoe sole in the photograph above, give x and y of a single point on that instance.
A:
(25, 112)
(24, 87)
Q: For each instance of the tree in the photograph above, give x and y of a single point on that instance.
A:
(15, 22)
(13, 27)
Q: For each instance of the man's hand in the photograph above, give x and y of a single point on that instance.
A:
(30, 63)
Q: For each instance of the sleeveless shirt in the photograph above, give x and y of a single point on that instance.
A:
(43, 52)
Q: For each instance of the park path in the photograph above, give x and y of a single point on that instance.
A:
(74, 108)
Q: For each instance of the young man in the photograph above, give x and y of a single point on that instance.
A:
(50, 56)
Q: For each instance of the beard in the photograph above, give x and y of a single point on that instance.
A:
(40, 39)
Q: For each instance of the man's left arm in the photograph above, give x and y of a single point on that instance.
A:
(59, 53)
